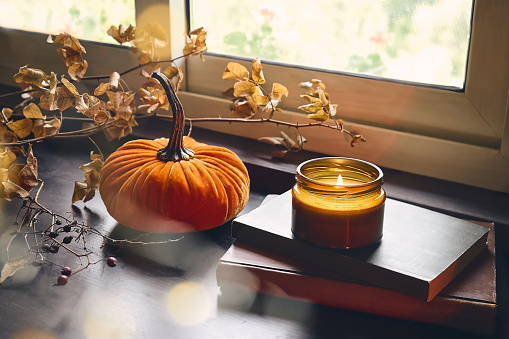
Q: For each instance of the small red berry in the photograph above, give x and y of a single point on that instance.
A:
(62, 280)
(111, 261)
(66, 271)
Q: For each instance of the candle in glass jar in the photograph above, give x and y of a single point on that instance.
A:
(338, 203)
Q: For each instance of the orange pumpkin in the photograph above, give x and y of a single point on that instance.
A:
(176, 185)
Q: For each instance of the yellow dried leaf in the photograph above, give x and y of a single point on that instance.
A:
(77, 71)
(7, 158)
(22, 127)
(321, 115)
(31, 76)
(65, 98)
(81, 191)
(171, 72)
(43, 128)
(10, 191)
(312, 108)
(101, 89)
(244, 108)
(258, 72)
(12, 266)
(310, 98)
(333, 109)
(278, 91)
(32, 111)
(53, 82)
(235, 71)
(121, 35)
(357, 138)
(69, 86)
(6, 135)
(6, 114)
(244, 88)
(323, 97)
(68, 41)
(259, 98)
(70, 56)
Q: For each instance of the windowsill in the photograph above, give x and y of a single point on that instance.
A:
(277, 175)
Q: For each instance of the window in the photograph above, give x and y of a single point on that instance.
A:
(457, 135)
(413, 40)
(85, 19)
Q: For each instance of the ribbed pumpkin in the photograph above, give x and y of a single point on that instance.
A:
(173, 185)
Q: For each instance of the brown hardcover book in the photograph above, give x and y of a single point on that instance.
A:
(468, 302)
(421, 251)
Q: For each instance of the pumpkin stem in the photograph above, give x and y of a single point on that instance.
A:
(175, 150)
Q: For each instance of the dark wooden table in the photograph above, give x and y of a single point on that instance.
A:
(169, 290)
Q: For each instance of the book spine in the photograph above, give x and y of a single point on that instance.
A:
(470, 315)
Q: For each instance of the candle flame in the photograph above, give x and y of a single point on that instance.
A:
(340, 180)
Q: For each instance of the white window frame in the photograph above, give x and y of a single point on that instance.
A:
(456, 136)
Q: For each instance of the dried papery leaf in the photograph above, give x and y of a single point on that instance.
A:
(195, 43)
(274, 141)
(32, 111)
(278, 91)
(309, 98)
(244, 108)
(65, 98)
(323, 98)
(307, 85)
(320, 115)
(78, 70)
(22, 127)
(48, 102)
(69, 86)
(121, 35)
(301, 140)
(357, 138)
(333, 109)
(171, 72)
(112, 83)
(312, 108)
(339, 124)
(244, 88)
(81, 191)
(70, 56)
(6, 135)
(7, 158)
(121, 129)
(259, 98)
(43, 128)
(53, 82)
(201, 37)
(10, 191)
(12, 266)
(31, 76)
(122, 103)
(6, 114)
(68, 41)
(288, 142)
(235, 71)
(258, 72)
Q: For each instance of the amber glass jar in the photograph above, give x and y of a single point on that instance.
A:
(344, 212)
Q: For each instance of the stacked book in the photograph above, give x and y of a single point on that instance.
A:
(428, 267)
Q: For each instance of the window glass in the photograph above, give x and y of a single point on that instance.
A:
(87, 20)
(424, 41)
